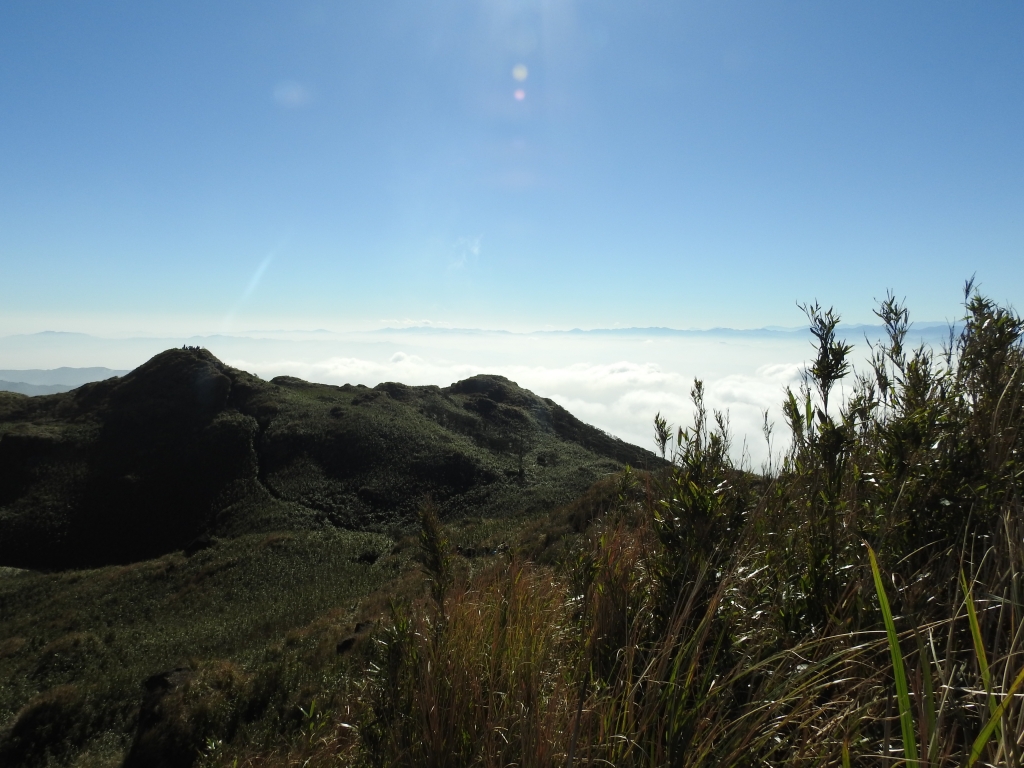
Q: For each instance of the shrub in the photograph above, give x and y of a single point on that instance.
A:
(718, 618)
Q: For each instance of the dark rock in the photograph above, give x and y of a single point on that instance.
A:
(153, 746)
(369, 557)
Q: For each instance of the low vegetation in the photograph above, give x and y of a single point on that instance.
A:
(857, 602)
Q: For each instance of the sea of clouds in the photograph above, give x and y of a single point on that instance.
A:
(617, 383)
(615, 380)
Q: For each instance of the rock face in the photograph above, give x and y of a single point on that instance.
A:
(185, 446)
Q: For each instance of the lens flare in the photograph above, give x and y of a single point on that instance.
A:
(520, 72)
(520, 94)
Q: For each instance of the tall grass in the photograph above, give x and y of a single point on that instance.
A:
(719, 618)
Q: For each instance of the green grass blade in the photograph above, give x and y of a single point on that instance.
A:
(993, 722)
(979, 646)
(898, 670)
(929, 700)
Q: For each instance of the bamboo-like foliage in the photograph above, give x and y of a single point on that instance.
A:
(719, 618)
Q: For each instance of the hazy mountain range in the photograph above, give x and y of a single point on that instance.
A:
(51, 381)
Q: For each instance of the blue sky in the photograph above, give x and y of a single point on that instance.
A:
(198, 167)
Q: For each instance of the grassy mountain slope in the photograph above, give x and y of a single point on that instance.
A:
(139, 466)
(857, 604)
(192, 516)
(242, 635)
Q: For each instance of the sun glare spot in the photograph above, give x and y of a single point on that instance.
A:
(520, 72)
(291, 95)
(520, 94)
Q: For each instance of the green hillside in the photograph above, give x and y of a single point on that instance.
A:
(185, 446)
(191, 515)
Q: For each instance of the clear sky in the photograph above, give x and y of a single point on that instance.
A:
(216, 166)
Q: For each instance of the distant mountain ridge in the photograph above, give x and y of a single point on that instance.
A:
(52, 381)
(71, 377)
(921, 328)
(925, 328)
(131, 467)
(33, 390)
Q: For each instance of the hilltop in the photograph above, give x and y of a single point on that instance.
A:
(186, 447)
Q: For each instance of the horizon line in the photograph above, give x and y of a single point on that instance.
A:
(927, 325)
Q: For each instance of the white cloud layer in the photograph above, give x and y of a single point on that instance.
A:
(617, 382)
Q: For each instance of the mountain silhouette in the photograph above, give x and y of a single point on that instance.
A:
(185, 447)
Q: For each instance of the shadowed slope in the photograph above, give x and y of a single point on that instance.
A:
(132, 467)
